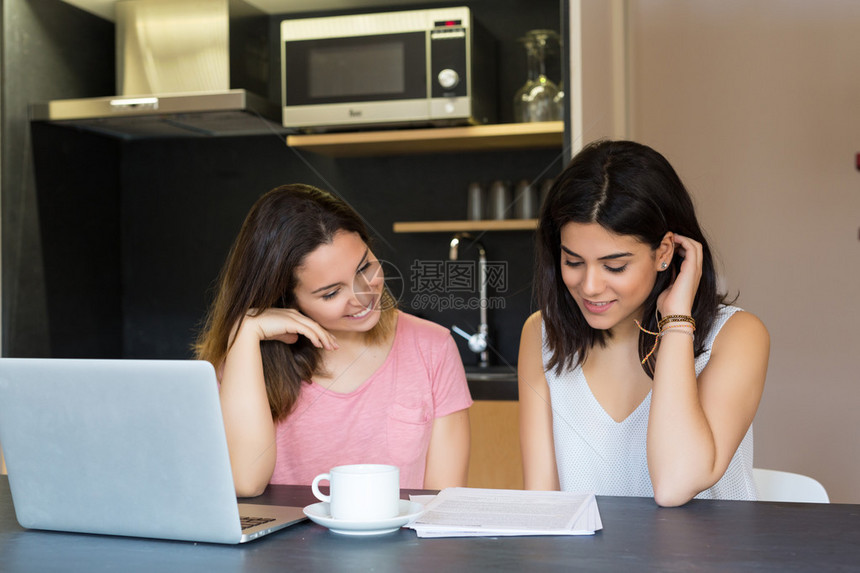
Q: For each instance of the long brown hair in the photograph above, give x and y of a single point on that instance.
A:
(283, 227)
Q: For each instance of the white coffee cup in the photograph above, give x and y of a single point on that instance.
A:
(361, 492)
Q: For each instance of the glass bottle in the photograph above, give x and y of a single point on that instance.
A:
(538, 99)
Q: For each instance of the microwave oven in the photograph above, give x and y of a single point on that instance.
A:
(430, 67)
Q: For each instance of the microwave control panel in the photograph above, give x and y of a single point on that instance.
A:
(448, 59)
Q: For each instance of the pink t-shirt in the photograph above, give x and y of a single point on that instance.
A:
(387, 420)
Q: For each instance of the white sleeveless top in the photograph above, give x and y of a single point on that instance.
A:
(595, 453)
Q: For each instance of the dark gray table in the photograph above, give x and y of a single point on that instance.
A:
(637, 535)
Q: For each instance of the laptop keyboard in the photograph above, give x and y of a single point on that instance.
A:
(249, 522)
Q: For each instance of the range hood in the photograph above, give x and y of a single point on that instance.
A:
(183, 68)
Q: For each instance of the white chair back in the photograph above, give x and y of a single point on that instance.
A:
(775, 485)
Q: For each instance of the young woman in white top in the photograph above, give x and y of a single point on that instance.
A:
(635, 377)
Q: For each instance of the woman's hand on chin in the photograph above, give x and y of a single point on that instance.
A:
(286, 325)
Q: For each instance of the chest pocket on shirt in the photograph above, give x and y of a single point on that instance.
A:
(409, 432)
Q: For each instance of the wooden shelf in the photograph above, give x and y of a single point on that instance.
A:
(433, 140)
(457, 226)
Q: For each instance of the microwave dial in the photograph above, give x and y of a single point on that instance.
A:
(448, 78)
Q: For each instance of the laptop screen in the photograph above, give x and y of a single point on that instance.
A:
(122, 447)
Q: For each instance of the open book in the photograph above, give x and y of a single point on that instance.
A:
(471, 512)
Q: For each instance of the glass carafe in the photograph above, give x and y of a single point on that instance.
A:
(539, 99)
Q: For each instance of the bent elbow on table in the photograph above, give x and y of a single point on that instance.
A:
(676, 492)
(250, 484)
(672, 496)
(248, 487)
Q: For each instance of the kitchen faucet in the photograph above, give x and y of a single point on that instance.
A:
(478, 341)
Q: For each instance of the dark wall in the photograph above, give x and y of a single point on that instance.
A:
(183, 201)
(433, 187)
(78, 204)
(44, 58)
(180, 202)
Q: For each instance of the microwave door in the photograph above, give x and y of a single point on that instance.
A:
(362, 79)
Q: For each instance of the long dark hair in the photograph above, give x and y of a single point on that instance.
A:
(283, 227)
(629, 189)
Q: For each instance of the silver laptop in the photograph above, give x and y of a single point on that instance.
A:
(123, 447)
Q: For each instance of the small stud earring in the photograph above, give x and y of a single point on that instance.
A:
(663, 265)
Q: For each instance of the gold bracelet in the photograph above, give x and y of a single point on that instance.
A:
(678, 325)
(682, 330)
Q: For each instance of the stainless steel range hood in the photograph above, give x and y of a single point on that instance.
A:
(183, 68)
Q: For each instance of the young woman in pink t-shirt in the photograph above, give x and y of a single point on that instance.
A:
(317, 366)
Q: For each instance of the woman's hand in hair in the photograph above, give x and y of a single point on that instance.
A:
(286, 325)
(678, 298)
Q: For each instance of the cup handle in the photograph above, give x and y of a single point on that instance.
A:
(316, 489)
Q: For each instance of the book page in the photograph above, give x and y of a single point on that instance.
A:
(473, 511)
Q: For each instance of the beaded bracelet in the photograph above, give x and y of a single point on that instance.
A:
(675, 318)
(667, 324)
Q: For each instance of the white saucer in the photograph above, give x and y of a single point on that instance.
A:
(320, 513)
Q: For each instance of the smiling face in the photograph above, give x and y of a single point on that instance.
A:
(340, 285)
(608, 275)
